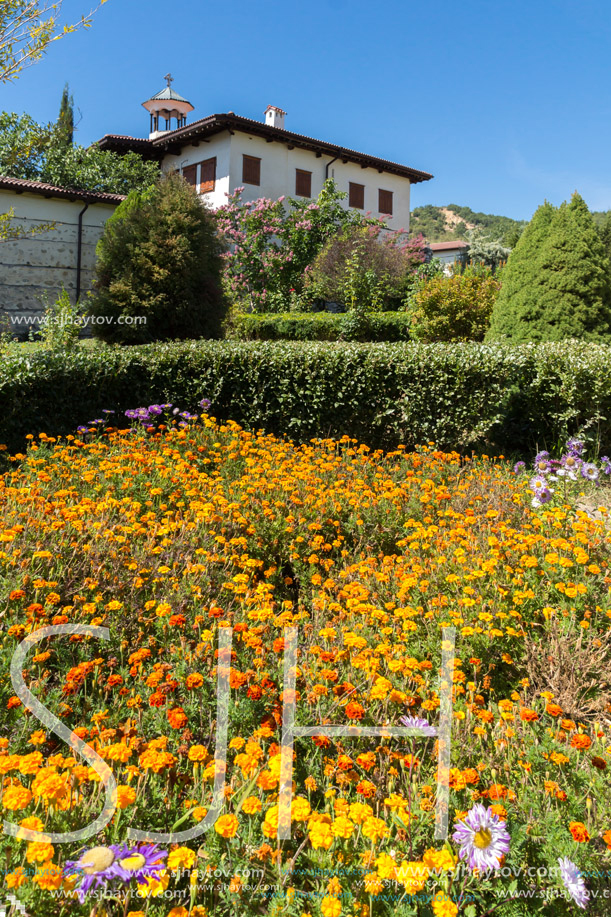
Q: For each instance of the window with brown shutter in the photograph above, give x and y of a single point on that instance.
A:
(251, 170)
(303, 183)
(208, 175)
(189, 173)
(356, 196)
(385, 201)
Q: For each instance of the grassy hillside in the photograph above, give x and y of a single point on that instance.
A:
(440, 224)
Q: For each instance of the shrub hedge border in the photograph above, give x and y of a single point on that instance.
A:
(321, 326)
(462, 396)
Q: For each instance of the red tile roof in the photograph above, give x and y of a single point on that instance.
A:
(21, 185)
(447, 246)
(173, 141)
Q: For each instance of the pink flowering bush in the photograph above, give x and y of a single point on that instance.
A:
(271, 244)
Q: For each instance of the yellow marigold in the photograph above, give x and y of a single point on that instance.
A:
(251, 805)
(412, 875)
(386, 866)
(300, 809)
(153, 888)
(179, 911)
(181, 858)
(17, 878)
(31, 823)
(438, 859)
(16, 797)
(443, 906)
(126, 796)
(373, 884)
(270, 824)
(321, 836)
(226, 825)
(374, 829)
(330, 906)
(342, 827)
(39, 852)
(48, 877)
(359, 811)
(198, 753)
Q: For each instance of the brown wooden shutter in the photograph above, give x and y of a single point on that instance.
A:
(251, 170)
(208, 175)
(356, 195)
(385, 201)
(189, 173)
(303, 183)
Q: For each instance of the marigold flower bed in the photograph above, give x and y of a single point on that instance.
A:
(168, 536)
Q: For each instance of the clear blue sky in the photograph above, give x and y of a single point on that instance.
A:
(506, 103)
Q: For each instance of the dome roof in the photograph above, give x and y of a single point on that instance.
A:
(167, 94)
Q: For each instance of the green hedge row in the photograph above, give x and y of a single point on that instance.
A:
(321, 326)
(457, 395)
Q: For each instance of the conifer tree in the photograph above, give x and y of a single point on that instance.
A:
(517, 307)
(65, 121)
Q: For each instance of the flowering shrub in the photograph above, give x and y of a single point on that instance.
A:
(365, 267)
(171, 531)
(455, 308)
(271, 244)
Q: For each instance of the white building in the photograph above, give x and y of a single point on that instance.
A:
(222, 152)
(448, 252)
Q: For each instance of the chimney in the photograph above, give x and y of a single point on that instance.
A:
(274, 117)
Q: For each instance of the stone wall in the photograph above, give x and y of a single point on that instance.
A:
(37, 265)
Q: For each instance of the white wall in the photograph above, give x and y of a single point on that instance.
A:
(278, 165)
(219, 146)
(31, 266)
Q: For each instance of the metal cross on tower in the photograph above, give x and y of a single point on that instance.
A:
(169, 79)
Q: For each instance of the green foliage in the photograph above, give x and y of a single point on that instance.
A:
(484, 250)
(65, 121)
(158, 270)
(41, 153)
(27, 28)
(363, 270)
(604, 230)
(455, 308)
(458, 395)
(432, 223)
(60, 324)
(23, 145)
(557, 283)
(320, 326)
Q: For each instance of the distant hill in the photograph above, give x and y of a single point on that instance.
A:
(443, 224)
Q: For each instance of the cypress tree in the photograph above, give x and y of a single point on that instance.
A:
(518, 308)
(65, 121)
(574, 289)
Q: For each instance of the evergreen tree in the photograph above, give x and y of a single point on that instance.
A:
(517, 308)
(159, 259)
(575, 291)
(605, 234)
(65, 121)
(557, 282)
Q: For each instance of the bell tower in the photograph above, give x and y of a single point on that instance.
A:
(165, 106)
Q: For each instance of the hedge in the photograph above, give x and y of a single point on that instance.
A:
(321, 326)
(463, 396)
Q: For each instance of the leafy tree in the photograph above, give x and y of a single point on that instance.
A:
(559, 285)
(23, 146)
(159, 260)
(65, 121)
(518, 304)
(455, 308)
(27, 28)
(484, 250)
(39, 152)
(361, 268)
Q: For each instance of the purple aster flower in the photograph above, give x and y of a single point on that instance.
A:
(94, 868)
(205, 404)
(147, 861)
(605, 462)
(82, 429)
(131, 414)
(107, 411)
(573, 882)
(99, 420)
(483, 838)
(542, 462)
(166, 407)
(155, 409)
(417, 722)
(187, 416)
(571, 464)
(575, 446)
(519, 467)
(538, 484)
(589, 471)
